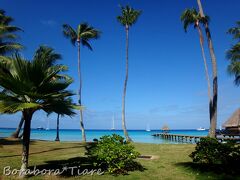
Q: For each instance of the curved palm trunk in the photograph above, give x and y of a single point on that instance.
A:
(80, 94)
(206, 69)
(16, 133)
(124, 91)
(57, 136)
(213, 119)
(26, 140)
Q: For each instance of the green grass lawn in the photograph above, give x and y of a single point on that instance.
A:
(172, 161)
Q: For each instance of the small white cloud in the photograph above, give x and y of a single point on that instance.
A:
(49, 22)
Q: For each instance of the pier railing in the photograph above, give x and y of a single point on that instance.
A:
(179, 137)
(189, 138)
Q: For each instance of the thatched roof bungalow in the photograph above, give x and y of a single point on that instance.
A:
(165, 129)
(233, 123)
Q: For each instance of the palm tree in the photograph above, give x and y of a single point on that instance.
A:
(47, 54)
(57, 136)
(234, 69)
(15, 134)
(235, 31)
(128, 17)
(82, 35)
(7, 36)
(233, 54)
(29, 86)
(213, 118)
(8, 45)
(192, 17)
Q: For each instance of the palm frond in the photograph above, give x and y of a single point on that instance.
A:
(8, 36)
(70, 33)
(47, 54)
(128, 15)
(60, 106)
(12, 107)
(9, 47)
(233, 54)
(235, 31)
(5, 59)
(8, 29)
(234, 69)
(85, 43)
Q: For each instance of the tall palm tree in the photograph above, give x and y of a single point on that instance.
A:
(233, 54)
(82, 35)
(127, 18)
(47, 54)
(7, 45)
(213, 119)
(192, 17)
(29, 86)
(57, 136)
(7, 36)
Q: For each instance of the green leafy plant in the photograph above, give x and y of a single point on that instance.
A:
(210, 151)
(114, 154)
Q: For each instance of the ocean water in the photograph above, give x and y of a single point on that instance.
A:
(141, 136)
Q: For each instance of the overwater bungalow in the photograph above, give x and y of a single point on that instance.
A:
(232, 125)
(165, 129)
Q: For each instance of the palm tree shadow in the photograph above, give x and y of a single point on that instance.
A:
(39, 152)
(10, 141)
(221, 171)
(78, 166)
(70, 167)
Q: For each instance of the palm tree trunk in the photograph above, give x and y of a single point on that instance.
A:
(80, 94)
(16, 133)
(213, 119)
(124, 91)
(57, 137)
(206, 70)
(26, 140)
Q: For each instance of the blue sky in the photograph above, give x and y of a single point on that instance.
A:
(166, 74)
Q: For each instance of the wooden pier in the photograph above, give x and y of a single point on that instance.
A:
(189, 138)
(179, 137)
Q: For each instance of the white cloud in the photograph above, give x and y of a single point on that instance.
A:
(49, 22)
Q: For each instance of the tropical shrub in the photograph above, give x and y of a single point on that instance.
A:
(210, 151)
(114, 154)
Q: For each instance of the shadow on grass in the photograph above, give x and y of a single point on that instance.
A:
(10, 141)
(221, 171)
(69, 167)
(56, 149)
(77, 166)
(45, 151)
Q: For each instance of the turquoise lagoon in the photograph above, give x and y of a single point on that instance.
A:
(141, 136)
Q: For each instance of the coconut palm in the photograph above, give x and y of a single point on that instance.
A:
(7, 36)
(234, 69)
(127, 18)
(15, 134)
(47, 54)
(192, 17)
(29, 86)
(8, 45)
(213, 118)
(235, 31)
(233, 54)
(57, 136)
(82, 35)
